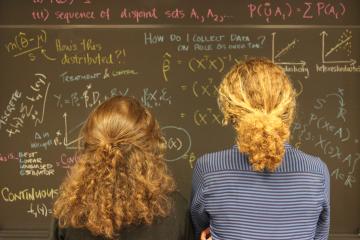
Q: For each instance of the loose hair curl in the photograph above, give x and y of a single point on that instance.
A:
(259, 99)
(120, 178)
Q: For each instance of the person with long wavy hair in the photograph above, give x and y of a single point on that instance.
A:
(120, 188)
(261, 188)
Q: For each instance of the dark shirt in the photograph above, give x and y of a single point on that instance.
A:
(177, 226)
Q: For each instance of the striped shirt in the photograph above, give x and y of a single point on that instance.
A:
(237, 203)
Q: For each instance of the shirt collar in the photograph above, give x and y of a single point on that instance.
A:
(286, 145)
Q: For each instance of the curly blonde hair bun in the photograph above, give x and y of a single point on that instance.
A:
(121, 178)
(259, 99)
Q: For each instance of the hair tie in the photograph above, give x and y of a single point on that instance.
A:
(113, 149)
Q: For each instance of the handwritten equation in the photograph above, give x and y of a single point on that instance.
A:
(306, 10)
(85, 11)
(39, 210)
(178, 141)
(89, 97)
(85, 51)
(26, 107)
(31, 45)
(331, 136)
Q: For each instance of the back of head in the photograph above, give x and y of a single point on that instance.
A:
(120, 178)
(124, 123)
(259, 99)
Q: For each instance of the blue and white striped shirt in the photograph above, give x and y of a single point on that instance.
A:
(237, 203)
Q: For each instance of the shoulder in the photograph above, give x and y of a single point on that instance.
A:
(178, 198)
(177, 215)
(180, 204)
(182, 217)
(70, 233)
(215, 161)
(298, 160)
(175, 226)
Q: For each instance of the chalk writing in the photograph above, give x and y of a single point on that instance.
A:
(28, 194)
(31, 107)
(206, 42)
(4, 157)
(337, 68)
(297, 66)
(45, 140)
(87, 52)
(89, 98)
(209, 88)
(87, 59)
(68, 16)
(166, 65)
(329, 136)
(41, 141)
(118, 73)
(191, 158)
(61, 2)
(178, 141)
(339, 96)
(31, 164)
(200, 63)
(66, 161)
(87, 44)
(151, 38)
(206, 63)
(344, 46)
(208, 16)
(269, 11)
(139, 15)
(67, 77)
(39, 209)
(152, 14)
(30, 45)
(207, 117)
(73, 143)
(155, 97)
(10, 108)
(41, 13)
(284, 10)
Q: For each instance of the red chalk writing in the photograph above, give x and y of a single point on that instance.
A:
(307, 10)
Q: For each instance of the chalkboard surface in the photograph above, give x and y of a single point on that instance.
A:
(61, 58)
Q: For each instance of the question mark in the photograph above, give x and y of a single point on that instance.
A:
(262, 39)
(119, 53)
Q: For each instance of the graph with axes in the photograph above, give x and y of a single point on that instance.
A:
(343, 44)
(276, 54)
(71, 143)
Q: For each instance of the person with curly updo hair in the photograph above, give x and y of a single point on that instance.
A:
(120, 188)
(261, 188)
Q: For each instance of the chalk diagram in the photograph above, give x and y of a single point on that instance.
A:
(178, 141)
(276, 54)
(343, 45)
(73, 143)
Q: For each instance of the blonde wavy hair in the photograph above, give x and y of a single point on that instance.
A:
(120, 178)
(259, 99)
